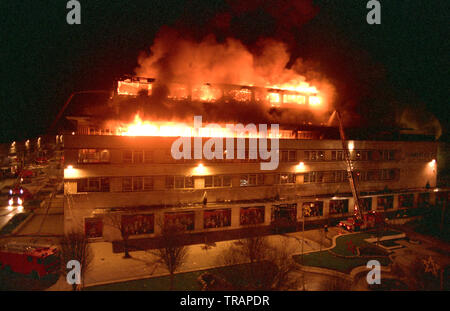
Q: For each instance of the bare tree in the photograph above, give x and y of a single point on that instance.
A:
(115, 220)
(380, 228)
(257, 265)
(75, 246)
(172, 253)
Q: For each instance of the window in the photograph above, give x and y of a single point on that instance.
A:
(333, 155)
(217, 218)
(127, 156)
(313, 209)
(366, 204)
(137, 156)
(365, 155)
(179, 182)
(260, 179)
(292, 156)
(388, 155)
(138, 224)
(340, 176)
(98, 184)
(361, 175)
(385, 203)
(406, 200)
(170, 182)
(127, 184)
(93, 227)
(185, 220)
(217, 181)
(252, 179)
(286, 178)
(208, 181)
(338, 207)
(93, 156)
(306, 157)
(340, 156)
(252, 215)
(148, 156)
(94, 184)
(137, 184)
(244, 181)
(288, 156)
(373, 175)
(321, 155)
(313, 177)
(104, 185)
(148, 183)
(227, 181)
(189, 182)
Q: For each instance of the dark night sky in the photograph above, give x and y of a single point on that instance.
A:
(402, 62)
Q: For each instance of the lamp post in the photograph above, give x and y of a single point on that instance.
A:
(303, 229)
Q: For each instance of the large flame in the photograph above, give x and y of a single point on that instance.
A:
(175, 59)
(178, 129)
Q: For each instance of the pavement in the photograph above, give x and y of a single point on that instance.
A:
(109, 267)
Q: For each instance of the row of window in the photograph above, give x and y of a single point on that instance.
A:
(146, 183)
(146, 156)
(356, 155)
(220, 218)
(341, 176)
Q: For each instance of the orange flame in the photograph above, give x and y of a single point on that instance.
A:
(178, 129)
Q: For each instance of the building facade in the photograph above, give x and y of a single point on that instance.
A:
(136, 179)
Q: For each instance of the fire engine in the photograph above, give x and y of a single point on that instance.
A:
(36, 261)
(358, 221)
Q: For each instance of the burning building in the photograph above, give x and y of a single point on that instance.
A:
(126, 168)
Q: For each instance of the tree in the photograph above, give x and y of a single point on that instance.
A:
(115, 220)
(172, 253)
(255, 264)
(75, 246)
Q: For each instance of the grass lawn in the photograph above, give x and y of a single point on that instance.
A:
(389, 243)
(182, 282)
(186, 281)
(325, 259)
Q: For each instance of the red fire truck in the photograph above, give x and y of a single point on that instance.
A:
(36, 261)
(359, 221)
(368, 221)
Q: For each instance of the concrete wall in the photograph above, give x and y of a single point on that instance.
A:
(414, 172)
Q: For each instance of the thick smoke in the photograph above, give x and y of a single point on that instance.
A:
(173, 58)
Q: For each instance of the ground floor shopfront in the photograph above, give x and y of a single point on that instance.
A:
(145, 222)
